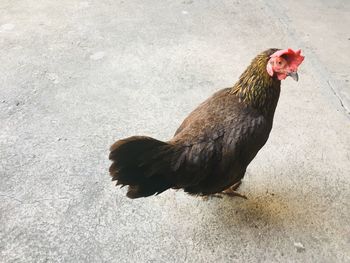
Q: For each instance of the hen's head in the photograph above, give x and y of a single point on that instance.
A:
(284, 63)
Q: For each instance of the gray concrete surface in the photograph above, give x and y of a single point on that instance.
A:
(77, 75)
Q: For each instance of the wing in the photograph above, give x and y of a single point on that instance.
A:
(214, 133)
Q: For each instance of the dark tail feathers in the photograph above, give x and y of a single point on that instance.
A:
(143, 163)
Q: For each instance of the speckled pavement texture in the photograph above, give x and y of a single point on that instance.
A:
(77, 75)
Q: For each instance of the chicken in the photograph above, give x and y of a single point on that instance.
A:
(212, 148)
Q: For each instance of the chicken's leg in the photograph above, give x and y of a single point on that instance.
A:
(231, 191)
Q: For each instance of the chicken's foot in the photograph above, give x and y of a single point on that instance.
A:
(231, 191)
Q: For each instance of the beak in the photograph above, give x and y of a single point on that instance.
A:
(294, 75)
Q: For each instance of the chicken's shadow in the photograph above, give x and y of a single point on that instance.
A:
(264, 210)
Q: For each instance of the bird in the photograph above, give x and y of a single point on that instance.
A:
(211, 150)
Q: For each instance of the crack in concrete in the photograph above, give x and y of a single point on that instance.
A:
(338, 96)
(274, 9)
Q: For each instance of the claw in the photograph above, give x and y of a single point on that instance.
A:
(231, 191)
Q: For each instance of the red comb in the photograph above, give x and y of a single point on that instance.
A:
(293, 57)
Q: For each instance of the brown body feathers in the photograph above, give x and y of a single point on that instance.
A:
(212, 148)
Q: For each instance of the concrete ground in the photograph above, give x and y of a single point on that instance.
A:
(77, 75)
